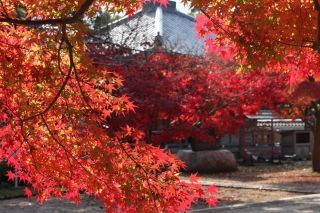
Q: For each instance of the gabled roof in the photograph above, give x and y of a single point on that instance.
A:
(174, 30)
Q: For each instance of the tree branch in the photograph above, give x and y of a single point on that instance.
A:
(316, 5)
(71, 67)
(213, 22)
(4, 9)
(144, 171)
(316, 45)
(68, 152)
(25, 138)
(60, 144)
(54, 21)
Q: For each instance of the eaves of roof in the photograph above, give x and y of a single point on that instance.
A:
(142, 11)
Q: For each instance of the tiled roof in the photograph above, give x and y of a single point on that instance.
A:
(265, 118)
(177, 30)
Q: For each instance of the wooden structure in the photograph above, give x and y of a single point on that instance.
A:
(297, 143)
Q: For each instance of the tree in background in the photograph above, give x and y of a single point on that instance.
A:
(273, 36)
(103, 19)
(180, 96)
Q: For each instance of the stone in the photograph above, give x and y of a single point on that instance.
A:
(208, 161)
(203, 146)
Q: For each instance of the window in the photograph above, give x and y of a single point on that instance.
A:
(303, 137)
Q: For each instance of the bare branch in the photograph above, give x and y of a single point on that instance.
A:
(293, 45)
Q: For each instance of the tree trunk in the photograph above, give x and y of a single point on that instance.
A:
(316, 147)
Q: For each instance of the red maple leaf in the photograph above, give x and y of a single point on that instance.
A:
(194, 178)
(212, 189)
(27, 192)
(211, 201)
(11, 175)
(163, 2)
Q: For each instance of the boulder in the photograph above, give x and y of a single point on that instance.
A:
(208, 161)
(204, 146)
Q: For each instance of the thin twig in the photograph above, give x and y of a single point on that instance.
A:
(61, 145)
(144, 170)
(66, 150)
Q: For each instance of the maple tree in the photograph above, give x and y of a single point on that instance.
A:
(273, 36)
(179, 96)
(55, 105)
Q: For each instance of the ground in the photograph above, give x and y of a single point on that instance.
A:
(288, 172)
(281, 180)
(23, 205)
(8, 191)
(300, 204)
(250, 184)
(228, 196)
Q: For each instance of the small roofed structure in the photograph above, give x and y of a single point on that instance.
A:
(268, 137)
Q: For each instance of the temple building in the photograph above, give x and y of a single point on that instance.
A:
(265, 135)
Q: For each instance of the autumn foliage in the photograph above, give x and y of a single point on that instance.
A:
(73, 122)
(180, 96)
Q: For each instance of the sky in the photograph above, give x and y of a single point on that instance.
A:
(181, 7)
